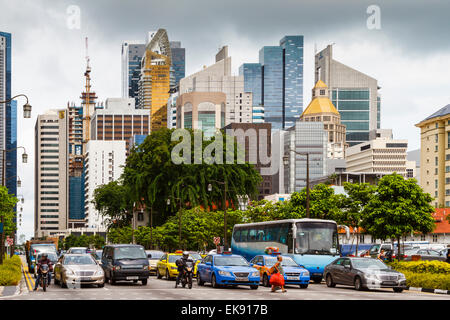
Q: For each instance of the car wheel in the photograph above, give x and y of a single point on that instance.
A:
(167, 274)
(101, 285)
(266, 281)
(358, 284)
(253, 287)
(398, 290)
(330, 282)
(199, 281)
(144, 282)
(214, 282)
(304, 285)
(158, 275)
(112, 281)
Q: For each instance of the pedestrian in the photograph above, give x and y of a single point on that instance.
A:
(382, 255)
(277, 275)
(448, 255)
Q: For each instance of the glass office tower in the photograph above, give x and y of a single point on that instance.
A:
(178, 67)
(281, 89)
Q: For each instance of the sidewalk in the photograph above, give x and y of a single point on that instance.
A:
(23, 285)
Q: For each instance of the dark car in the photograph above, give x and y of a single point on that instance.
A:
(425, 254)
(363, 273)
(125, 262)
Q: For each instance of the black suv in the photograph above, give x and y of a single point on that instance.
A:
(125, 262)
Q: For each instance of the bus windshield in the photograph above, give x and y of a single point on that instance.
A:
(316, 238)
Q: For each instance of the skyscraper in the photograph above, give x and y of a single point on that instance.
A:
(8, 116)
(354, 94)
(281, 87)
(178, 67)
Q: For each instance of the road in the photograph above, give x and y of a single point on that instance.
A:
(165, 290)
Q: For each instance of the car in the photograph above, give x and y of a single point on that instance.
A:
(153, 257)
(293, 273)
(124, 262)
(425, 254)
(79, 250)
(363, 273)
(227, 269)
(74, 269)
(166, 266)
(97, 254)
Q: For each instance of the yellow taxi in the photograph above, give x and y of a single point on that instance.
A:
(167, 268)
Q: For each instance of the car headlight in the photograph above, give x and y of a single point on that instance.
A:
(305, 273)
(255, 274)
(225, 273)
(146, 267)
(371, 276)
(70, 272)
(401, 276)
(99, 272)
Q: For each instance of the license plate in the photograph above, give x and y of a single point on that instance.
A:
(241, 279)
(87, 278)
(292, 278)
(133, 278)
(389, 282)
(317, 274)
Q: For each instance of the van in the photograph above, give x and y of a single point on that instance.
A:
(125, 262)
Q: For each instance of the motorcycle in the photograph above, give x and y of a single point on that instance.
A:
(187, 274)
(44, 269)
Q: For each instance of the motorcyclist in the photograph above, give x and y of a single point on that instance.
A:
(43, 260)
(181, 264)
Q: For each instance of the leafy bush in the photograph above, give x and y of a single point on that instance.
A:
(428, 281)
(10, 271)
(433, 267)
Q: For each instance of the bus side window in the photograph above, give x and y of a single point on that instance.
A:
(261, 234)
(244, 233)
(237, 235)
(284, 230)
(252, 235)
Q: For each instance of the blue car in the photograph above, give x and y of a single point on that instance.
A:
(227, 269)
(293, 273)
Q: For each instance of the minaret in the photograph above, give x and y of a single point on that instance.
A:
(321, 109)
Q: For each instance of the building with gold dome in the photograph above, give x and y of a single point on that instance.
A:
(321, 109)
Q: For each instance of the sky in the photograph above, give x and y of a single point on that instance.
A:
(408, 52)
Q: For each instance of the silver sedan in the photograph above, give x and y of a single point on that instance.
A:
(78, 269)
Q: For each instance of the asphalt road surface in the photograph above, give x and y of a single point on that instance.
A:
(165, 290)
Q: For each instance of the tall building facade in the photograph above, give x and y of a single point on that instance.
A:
(172, 107)
(280, 70)
(322, 110)
(104, 163)
(435, 156)
(218, 78)
(178, 67)
(252, 73)
(304, 137)
(51, 174)
(354, 94)
(154, 82)
(8, 115)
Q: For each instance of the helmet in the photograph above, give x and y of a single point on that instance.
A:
(185, 254)
(44, 255)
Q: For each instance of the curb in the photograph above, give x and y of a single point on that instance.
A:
(438, 291)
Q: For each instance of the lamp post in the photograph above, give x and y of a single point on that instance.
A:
(26, 106)
(286, 163)
(179, 220)
(224, 183)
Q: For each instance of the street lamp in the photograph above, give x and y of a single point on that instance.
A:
(19, 183)
(26, 106)
(286, 163)
(179, 220)
(224, 210)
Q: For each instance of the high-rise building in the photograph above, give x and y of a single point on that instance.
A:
(322, 110)
(8, 116)
(172, 107)
(104, 163)
(435, 156)
(154, 82)
(119, 120)
(304, 137)
(132, 53)
(51, 174)
(280, 92)
(252, 73)
(201, 110)
(218, 78)
(353, 93)
(255, 140)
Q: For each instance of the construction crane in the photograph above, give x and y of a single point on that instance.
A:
(87, 98)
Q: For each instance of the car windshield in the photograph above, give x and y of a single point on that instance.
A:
(78, 260)
(316, 238)
(368, 264)
(131, 252)
(154, 255)
(98, 254)
(230, 261)
(174, 257)
(78, 251)
(286, 262)
(195, 256)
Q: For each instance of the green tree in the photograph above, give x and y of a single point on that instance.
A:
(7, 204)
(120, 235)
(354, 205)
(399, 207)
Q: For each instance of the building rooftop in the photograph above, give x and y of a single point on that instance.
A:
(320, 105)
(441, 112)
